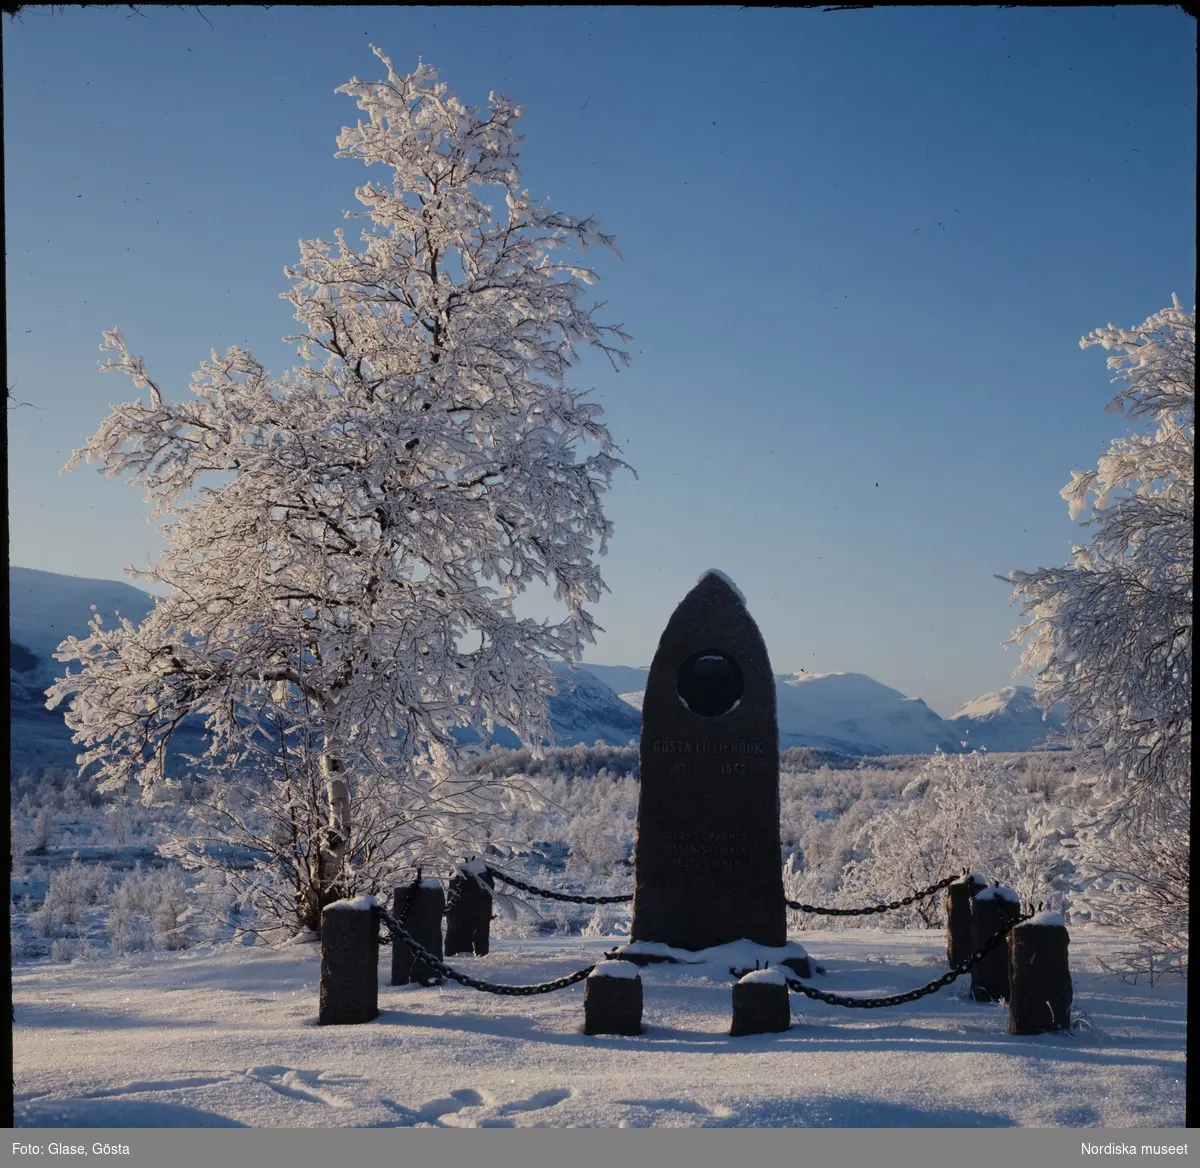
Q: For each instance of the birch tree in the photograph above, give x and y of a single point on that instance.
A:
(1110, 636)
(344, 542)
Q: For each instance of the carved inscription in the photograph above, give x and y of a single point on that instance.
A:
(706, 849)
(707, 746)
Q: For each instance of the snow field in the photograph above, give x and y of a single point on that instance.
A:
(227, 1034)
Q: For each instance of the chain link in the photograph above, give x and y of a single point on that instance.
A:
(422, 954)
(386, 939)
(794, 904)
(911, 995)
(551, 895)
(874, 908)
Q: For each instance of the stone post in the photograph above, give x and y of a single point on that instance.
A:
(991, 909)
(760, 1003)
(1039, 976)
(349, 962)
(612, 999)
(469, 910)
(424, 922)
(958, 917)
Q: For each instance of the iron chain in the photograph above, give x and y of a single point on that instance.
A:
(550, 895)
(422, 954)
(911, 995)
(809, 908)
(408, 903)
(874, 908)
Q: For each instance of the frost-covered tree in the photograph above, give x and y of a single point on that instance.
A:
(957, 813)
(1111, 633)
(1111, 638)
(344, 543)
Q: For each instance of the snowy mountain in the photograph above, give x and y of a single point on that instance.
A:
(1007, 719)
(846, 712)
(46, 607)
(855, 714)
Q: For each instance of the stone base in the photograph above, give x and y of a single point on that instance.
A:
(1039, 979)
(989, 977)
(760, 1008)
(424, 922)
(468, 920)
(958, 919)
(349, 965)
(612, 1005)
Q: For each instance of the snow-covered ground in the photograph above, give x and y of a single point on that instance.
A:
(226, 1034)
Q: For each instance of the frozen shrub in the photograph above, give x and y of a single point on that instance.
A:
(957, 813)
(44, 832)
(174, 926)
(130, 917)
(117, 825)
(603, 923)
(62, 949)
(71, 890)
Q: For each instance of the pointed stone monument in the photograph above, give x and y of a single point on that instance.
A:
(706, 860)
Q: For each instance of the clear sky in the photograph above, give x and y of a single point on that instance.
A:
(860, 249)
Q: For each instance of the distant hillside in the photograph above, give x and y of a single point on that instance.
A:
(1007, 719)
(848, 713)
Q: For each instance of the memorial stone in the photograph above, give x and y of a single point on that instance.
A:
(707, 866)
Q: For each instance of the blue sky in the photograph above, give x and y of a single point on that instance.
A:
(860, 249)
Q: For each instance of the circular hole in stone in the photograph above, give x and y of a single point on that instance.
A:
(710, 683)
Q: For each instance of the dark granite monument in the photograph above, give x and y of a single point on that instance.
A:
(706, 860)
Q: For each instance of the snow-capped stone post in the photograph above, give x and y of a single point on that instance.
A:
(1039, 976)
(706, 859)
(612, 999)
(760, 1003)
(423, 919)
(349, 962)
(469, 910)
(958, 916)
(991, 909)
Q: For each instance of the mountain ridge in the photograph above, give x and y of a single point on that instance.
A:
(847, 712)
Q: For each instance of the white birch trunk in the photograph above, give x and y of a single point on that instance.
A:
(337, 793)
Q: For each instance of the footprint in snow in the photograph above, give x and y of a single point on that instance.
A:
(309, 1086)
(467, 1108)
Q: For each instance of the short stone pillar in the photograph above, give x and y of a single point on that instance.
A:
(958, 916)
(760, 1003)
(1039, 976)
(469, 910)
(612, 999)
(991, 910)
(349, 962)
(424, 922)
